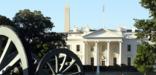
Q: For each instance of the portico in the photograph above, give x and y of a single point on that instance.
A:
(104, 52)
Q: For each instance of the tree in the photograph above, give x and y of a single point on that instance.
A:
(147, 26)
(145, 58)
(5, 21)
(36, 30)
(150, 5)
(35, 27)
(146, 52)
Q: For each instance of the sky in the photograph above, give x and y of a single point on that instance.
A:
(97, 14)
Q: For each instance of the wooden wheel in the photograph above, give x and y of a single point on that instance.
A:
(58, 62)
(12, 52)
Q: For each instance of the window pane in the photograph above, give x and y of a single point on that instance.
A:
(78, 47)
(129, 47)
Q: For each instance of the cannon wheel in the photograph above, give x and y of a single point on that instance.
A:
(59, 62)
(16, 55)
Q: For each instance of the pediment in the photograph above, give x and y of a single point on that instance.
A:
(104, 34)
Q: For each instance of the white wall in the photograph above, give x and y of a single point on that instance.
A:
(131, 53)
(80, 53)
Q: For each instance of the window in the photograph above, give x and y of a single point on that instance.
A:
(92, 61)
(129, 61)
(78, 47)
(136, 30)
(92, 49)
(129, 30)
(129, 47)
(114, 61)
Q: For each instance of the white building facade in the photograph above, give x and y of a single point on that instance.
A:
(103, 47)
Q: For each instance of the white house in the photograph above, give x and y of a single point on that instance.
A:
(102, 47)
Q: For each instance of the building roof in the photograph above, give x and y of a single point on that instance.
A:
(104, 33)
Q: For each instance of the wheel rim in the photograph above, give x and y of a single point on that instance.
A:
(58, 62)
(18, 55)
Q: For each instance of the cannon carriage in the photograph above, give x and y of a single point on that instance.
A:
(17, 59)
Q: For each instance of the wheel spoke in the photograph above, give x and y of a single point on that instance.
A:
(10, 63)
(7, 59)
(53, 72)
(78, 67)
(5, 50)
(56, 64)
(63, 62)
(13, 53)
(71, 64)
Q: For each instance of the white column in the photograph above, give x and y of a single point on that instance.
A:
(84, 52)
(96, 49)
(120, 53)
(108, 53)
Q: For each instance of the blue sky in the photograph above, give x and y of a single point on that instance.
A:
(83, 12)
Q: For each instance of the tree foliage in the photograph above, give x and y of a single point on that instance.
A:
(5, 21)
(145, 58)
(147, 27)
(150, 5)
(35, 27)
